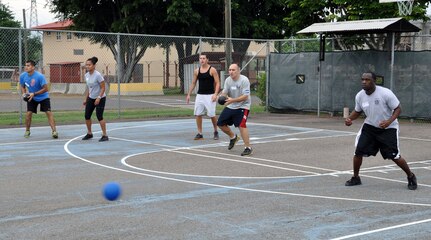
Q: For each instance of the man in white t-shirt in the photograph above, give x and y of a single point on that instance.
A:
(380, 129)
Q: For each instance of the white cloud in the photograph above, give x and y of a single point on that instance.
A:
(43, 14)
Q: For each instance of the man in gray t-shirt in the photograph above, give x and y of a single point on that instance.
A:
(237, 90)
(380, 129)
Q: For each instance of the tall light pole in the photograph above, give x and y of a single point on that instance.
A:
(228, 33)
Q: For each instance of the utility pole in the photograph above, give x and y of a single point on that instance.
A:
(24, 36)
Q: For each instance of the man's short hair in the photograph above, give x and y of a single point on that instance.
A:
(33, 63)
(373, 75)
(239, 67)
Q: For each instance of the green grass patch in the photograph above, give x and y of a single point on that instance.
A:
(172, 91)
(77, 117)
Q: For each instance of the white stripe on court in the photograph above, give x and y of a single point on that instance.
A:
(382, 229)
(124, 162)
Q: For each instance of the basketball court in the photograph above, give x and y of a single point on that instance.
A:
(173, 187)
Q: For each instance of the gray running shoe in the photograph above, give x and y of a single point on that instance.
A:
(54, 134)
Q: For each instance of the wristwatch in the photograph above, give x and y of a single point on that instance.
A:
(99, 97)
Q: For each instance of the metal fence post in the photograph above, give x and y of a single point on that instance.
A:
(267, 76)
(200, 46)
(20, 68)
(119, 74)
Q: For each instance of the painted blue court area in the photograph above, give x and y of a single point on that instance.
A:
(173, 187)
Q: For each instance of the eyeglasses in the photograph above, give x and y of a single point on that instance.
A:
(366, 79)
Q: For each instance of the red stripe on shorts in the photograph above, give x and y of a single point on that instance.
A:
(244, 119)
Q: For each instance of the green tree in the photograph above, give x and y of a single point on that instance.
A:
(6, 17)
(252, 19)
(8, 37)
(257, 19)
(306, 12)
(129, 16)
(192, 18)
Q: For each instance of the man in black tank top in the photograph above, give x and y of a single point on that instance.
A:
(209, 87)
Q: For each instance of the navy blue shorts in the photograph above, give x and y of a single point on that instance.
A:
(372, 139)
(237, 117)
(45, 105)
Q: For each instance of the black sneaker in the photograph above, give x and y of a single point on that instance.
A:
(247, 151)
(413, 183)
(233, 142)
(103, 139)
(87, 136)
(199, 137)
(216, 135)
(354, 181)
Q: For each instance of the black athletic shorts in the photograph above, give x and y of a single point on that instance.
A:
(89, 108)
(45, 105)
(371, 139)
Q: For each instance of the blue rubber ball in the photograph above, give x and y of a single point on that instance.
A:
(112, 191)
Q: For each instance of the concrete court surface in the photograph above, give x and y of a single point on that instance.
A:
(292, 187)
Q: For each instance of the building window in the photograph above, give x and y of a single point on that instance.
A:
(78, 51)
(48, 33)
(69, 36)
(58, 36)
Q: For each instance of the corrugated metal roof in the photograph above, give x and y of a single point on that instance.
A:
(363, 26)
(60, 25)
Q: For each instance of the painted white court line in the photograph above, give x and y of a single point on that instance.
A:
(155, 103)
(333, 173)
(124, 162)
(382, 229)
(66, 148)
(240, 188)
(196, 148)
(33, 142)
(416, 139)
(267, 160)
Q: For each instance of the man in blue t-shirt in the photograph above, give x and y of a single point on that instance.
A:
(35, 89)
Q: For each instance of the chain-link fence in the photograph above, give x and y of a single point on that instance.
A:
(142, 72)
(147, 72)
